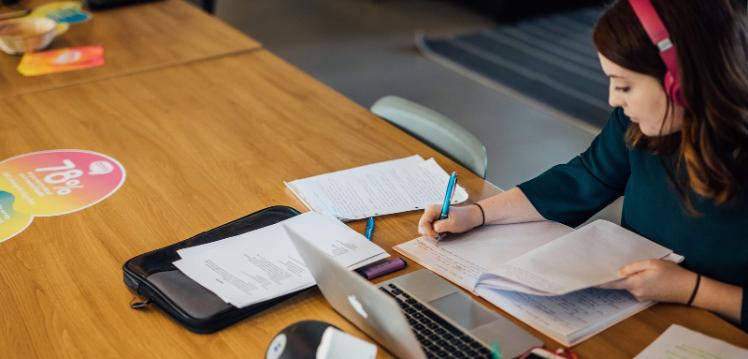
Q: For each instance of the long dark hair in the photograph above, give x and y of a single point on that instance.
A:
(711, 40)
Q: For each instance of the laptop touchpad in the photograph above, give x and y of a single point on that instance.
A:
(464, 310)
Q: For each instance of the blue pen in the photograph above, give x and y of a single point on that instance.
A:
(448, 198)
(370, 228)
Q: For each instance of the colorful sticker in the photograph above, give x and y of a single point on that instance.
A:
(47, 62)
(64, 12)
(11, 222)
(69, 16)
(52, 183)
(61, 11)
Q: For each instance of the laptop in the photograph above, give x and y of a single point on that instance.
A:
(416, 315)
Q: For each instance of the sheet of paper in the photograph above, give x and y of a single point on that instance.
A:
(377, 189)
(439, 260)
(264, 264)
(252, 276)
(272, 231)
(678, 342)
(586, 257)
(462, 258)
(332, 236)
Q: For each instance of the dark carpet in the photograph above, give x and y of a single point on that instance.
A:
(550, 59)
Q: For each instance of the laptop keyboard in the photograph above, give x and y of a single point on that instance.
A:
(439, 338)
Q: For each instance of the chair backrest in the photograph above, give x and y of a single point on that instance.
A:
(435, 129)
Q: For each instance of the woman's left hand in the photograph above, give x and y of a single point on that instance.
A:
(657, 280)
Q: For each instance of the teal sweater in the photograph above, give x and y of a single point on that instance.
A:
(714, 243)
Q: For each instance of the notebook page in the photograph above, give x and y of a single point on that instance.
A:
(462, 258)
(570, 318)
(441, 261)
(586, 257)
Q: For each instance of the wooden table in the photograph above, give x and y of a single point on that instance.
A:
(136, 38)
(204, 143)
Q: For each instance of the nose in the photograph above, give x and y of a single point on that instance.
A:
(614, 98)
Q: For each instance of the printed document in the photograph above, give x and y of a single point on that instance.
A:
(571, 318)
(678, 342)
(377, 189)
(263, 264)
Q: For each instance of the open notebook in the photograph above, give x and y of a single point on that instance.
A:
(544, 273)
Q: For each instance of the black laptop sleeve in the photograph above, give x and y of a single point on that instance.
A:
(153, 277)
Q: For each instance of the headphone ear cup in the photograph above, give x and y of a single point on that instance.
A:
(677, 98)
(672, 89)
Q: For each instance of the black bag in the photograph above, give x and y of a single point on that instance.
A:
(153, 276)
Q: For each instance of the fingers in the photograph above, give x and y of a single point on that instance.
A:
(629, 284)
(632, 284)
(444, 225)
(426, 223)
(636, 267)
(458, 221)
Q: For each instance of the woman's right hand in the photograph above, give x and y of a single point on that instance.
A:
(460, 219)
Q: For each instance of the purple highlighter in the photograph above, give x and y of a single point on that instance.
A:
(380, 268)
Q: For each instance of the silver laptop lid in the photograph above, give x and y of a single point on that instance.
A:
(370, 309)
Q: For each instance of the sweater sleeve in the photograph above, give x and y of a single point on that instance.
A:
(571, 193)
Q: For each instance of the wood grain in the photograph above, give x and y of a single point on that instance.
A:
(204, 143)
(135, 38)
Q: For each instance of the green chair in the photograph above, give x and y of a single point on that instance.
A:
(435, 129)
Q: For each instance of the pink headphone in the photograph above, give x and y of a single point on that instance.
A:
(659, 36)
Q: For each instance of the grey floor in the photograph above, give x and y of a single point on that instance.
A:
(365, 50)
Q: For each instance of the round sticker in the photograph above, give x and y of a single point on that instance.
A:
(51, 183)
(11, 222)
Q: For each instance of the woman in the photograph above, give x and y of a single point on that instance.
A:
(679, 158)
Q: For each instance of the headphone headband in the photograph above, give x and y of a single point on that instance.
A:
(660, 37)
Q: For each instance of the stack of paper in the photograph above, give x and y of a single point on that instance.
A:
(569, 318)
(377, 189)
(263, 264)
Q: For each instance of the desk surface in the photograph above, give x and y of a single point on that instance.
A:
(204, 143)
(135, 38)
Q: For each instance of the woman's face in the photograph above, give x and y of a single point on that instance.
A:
(642, 98)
